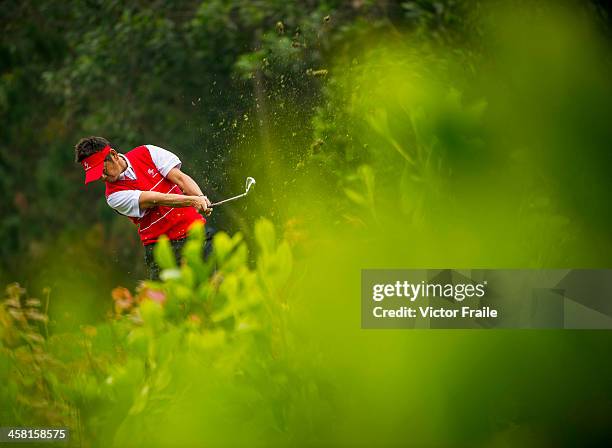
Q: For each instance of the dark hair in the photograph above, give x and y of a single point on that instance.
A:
(88, 146)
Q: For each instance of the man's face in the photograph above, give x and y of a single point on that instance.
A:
(112, 168)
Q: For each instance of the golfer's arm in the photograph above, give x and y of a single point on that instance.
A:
(150, 199)
(184, 182)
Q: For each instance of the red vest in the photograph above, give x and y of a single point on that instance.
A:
(160, 220)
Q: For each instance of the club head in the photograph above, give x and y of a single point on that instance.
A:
(249, 183)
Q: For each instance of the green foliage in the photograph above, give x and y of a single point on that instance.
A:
(163, 254)
(430, 138)
(209, 329)
(31, 375)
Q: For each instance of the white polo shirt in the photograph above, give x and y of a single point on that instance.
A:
(126, 202)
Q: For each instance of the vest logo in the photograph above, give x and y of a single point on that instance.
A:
(86, 166)
(151, 172)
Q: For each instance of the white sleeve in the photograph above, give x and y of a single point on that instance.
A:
(126, 203)
(163, 159)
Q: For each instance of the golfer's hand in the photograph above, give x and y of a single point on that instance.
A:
(204, 205)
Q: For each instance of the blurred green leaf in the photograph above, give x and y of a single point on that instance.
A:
(163, 254)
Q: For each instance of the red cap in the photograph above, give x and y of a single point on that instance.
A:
(94, 165)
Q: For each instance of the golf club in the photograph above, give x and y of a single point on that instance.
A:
(249, 183)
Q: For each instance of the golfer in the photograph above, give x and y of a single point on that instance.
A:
(147, 185)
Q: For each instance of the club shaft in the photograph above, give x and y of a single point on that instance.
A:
(228, 199)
